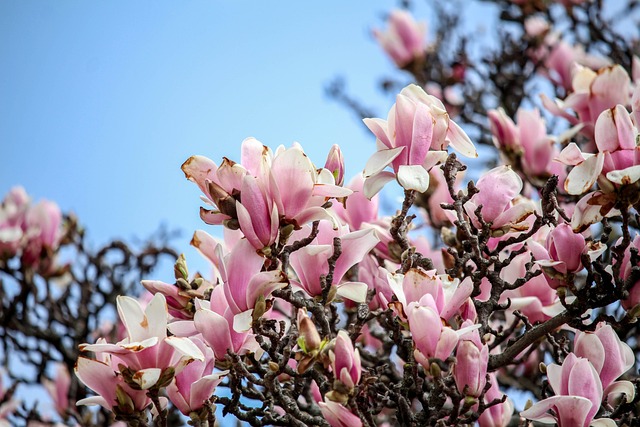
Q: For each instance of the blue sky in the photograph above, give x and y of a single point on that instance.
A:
(100, 103)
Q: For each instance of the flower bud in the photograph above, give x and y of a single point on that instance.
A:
(335, 164)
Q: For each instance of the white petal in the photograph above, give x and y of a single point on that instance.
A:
(413, 177)
(583, 176)
(379, 160)
(186, 347)
(460, 141)
(242, 321)
(354, 291)
(147, 378)
(374, 183)
(625, 176)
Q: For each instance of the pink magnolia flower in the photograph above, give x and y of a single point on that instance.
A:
(578, 395)
(337, 415)
(617, 161)
(560, 57)
(610, 357)
(312, 261)
(526, 145)
(103, 377)
(345, 361)
(263, 190)
(536, 299)
(411, 141)
(445, 295)
(565, 249)
(593, 93)
(470, 370)
(375, 276)
(245, 283)
(358, 210)
(299, 189)
(404, 39)
(498, 192)
(192, 387)
(147, 350)
(498, 415)
(431, 337)
(215, 321)
(12, 213)
(335, 164)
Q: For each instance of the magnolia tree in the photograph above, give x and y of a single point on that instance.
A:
(504, 301)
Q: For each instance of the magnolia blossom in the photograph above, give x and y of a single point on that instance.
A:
(312, 261)
(192, 387)
(578, 396)
(617, 161)
(30, 230)
(498, 201)
(446, 295)
(431, 337)
(404, 39)
(337, 415)
(147, 350)
(345, 361)
(536, 299)
(214, 320)
(470, 370)
(103, 376)
(526, 145)
(263, 190)
(411, 141)
(593, 93)
(609, 356)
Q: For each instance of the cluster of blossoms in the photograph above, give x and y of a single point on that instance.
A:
(320, 310)
(29, 231)
(302, 253)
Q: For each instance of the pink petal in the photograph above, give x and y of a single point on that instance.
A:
(379, 129)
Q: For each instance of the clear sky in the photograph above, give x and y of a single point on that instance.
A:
(101, 102)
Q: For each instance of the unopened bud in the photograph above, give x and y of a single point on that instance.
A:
(335, 164)
(183, 284)
(259, 308)
(309, 336)
(166, 377)
(125, 403)
(180, 269)
(197, 282)
(273, 366)
(542, 367)
(434, 370)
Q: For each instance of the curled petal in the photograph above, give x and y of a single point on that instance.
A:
(380, 160)
(374, 183)
(583, 176)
